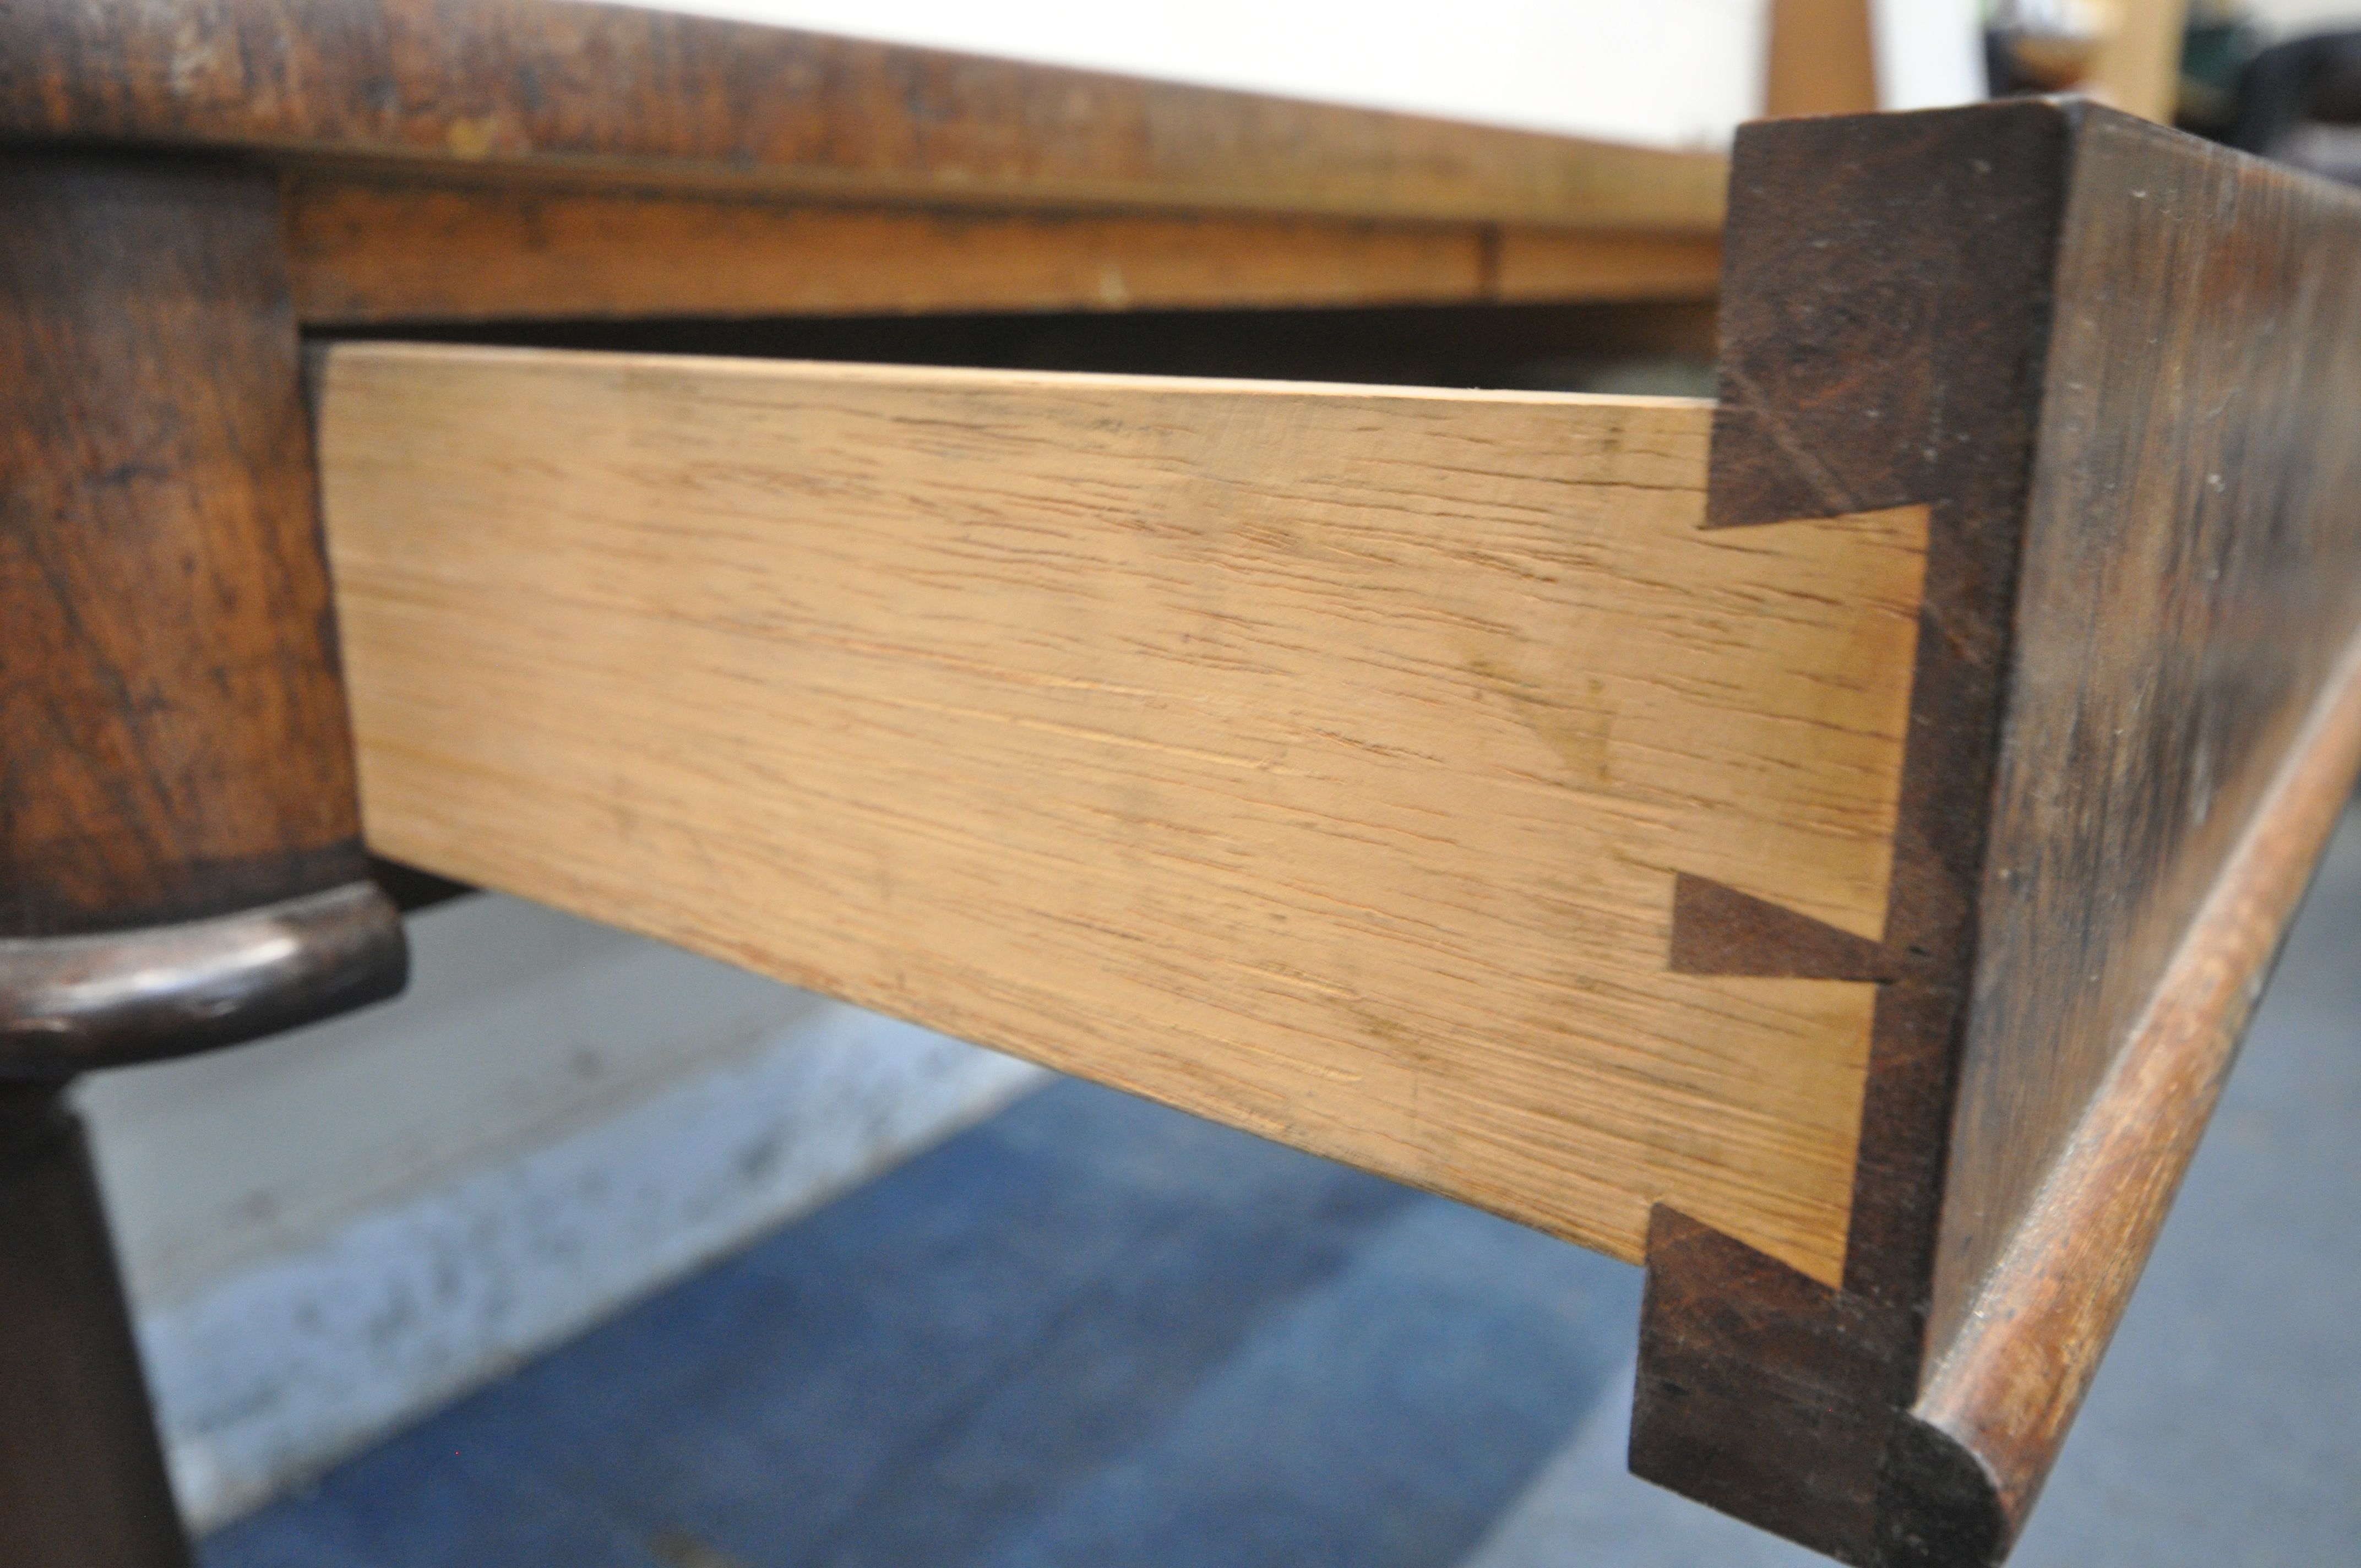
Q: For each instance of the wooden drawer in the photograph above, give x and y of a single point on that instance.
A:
(1821, 843)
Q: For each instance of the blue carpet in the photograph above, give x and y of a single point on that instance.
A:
(1090, 1331)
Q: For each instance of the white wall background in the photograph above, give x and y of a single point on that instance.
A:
(1929, 53)
(1670, 74)
(1675, 73)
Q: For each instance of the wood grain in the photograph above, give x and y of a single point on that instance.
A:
(1901, 365)
(1318, 759)
(2192, 573)
(177, 743)
(642, 94)
(362, 250)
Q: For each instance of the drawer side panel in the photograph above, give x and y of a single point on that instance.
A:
(1319, 760)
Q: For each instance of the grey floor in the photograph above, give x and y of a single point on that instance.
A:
(1094, 1331)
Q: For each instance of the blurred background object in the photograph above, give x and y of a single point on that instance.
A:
(2300, 102)
(2124, 52)
(1848, 56)
(2278, 78)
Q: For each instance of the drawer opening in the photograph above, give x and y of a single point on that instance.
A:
(1656, 348)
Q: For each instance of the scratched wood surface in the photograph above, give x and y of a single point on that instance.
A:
(2191, 575)
(1319, 758)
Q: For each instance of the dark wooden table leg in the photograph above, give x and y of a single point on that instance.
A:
(180, 863)
(82, 1473)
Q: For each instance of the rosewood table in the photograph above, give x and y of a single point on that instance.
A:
(1823, 842)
